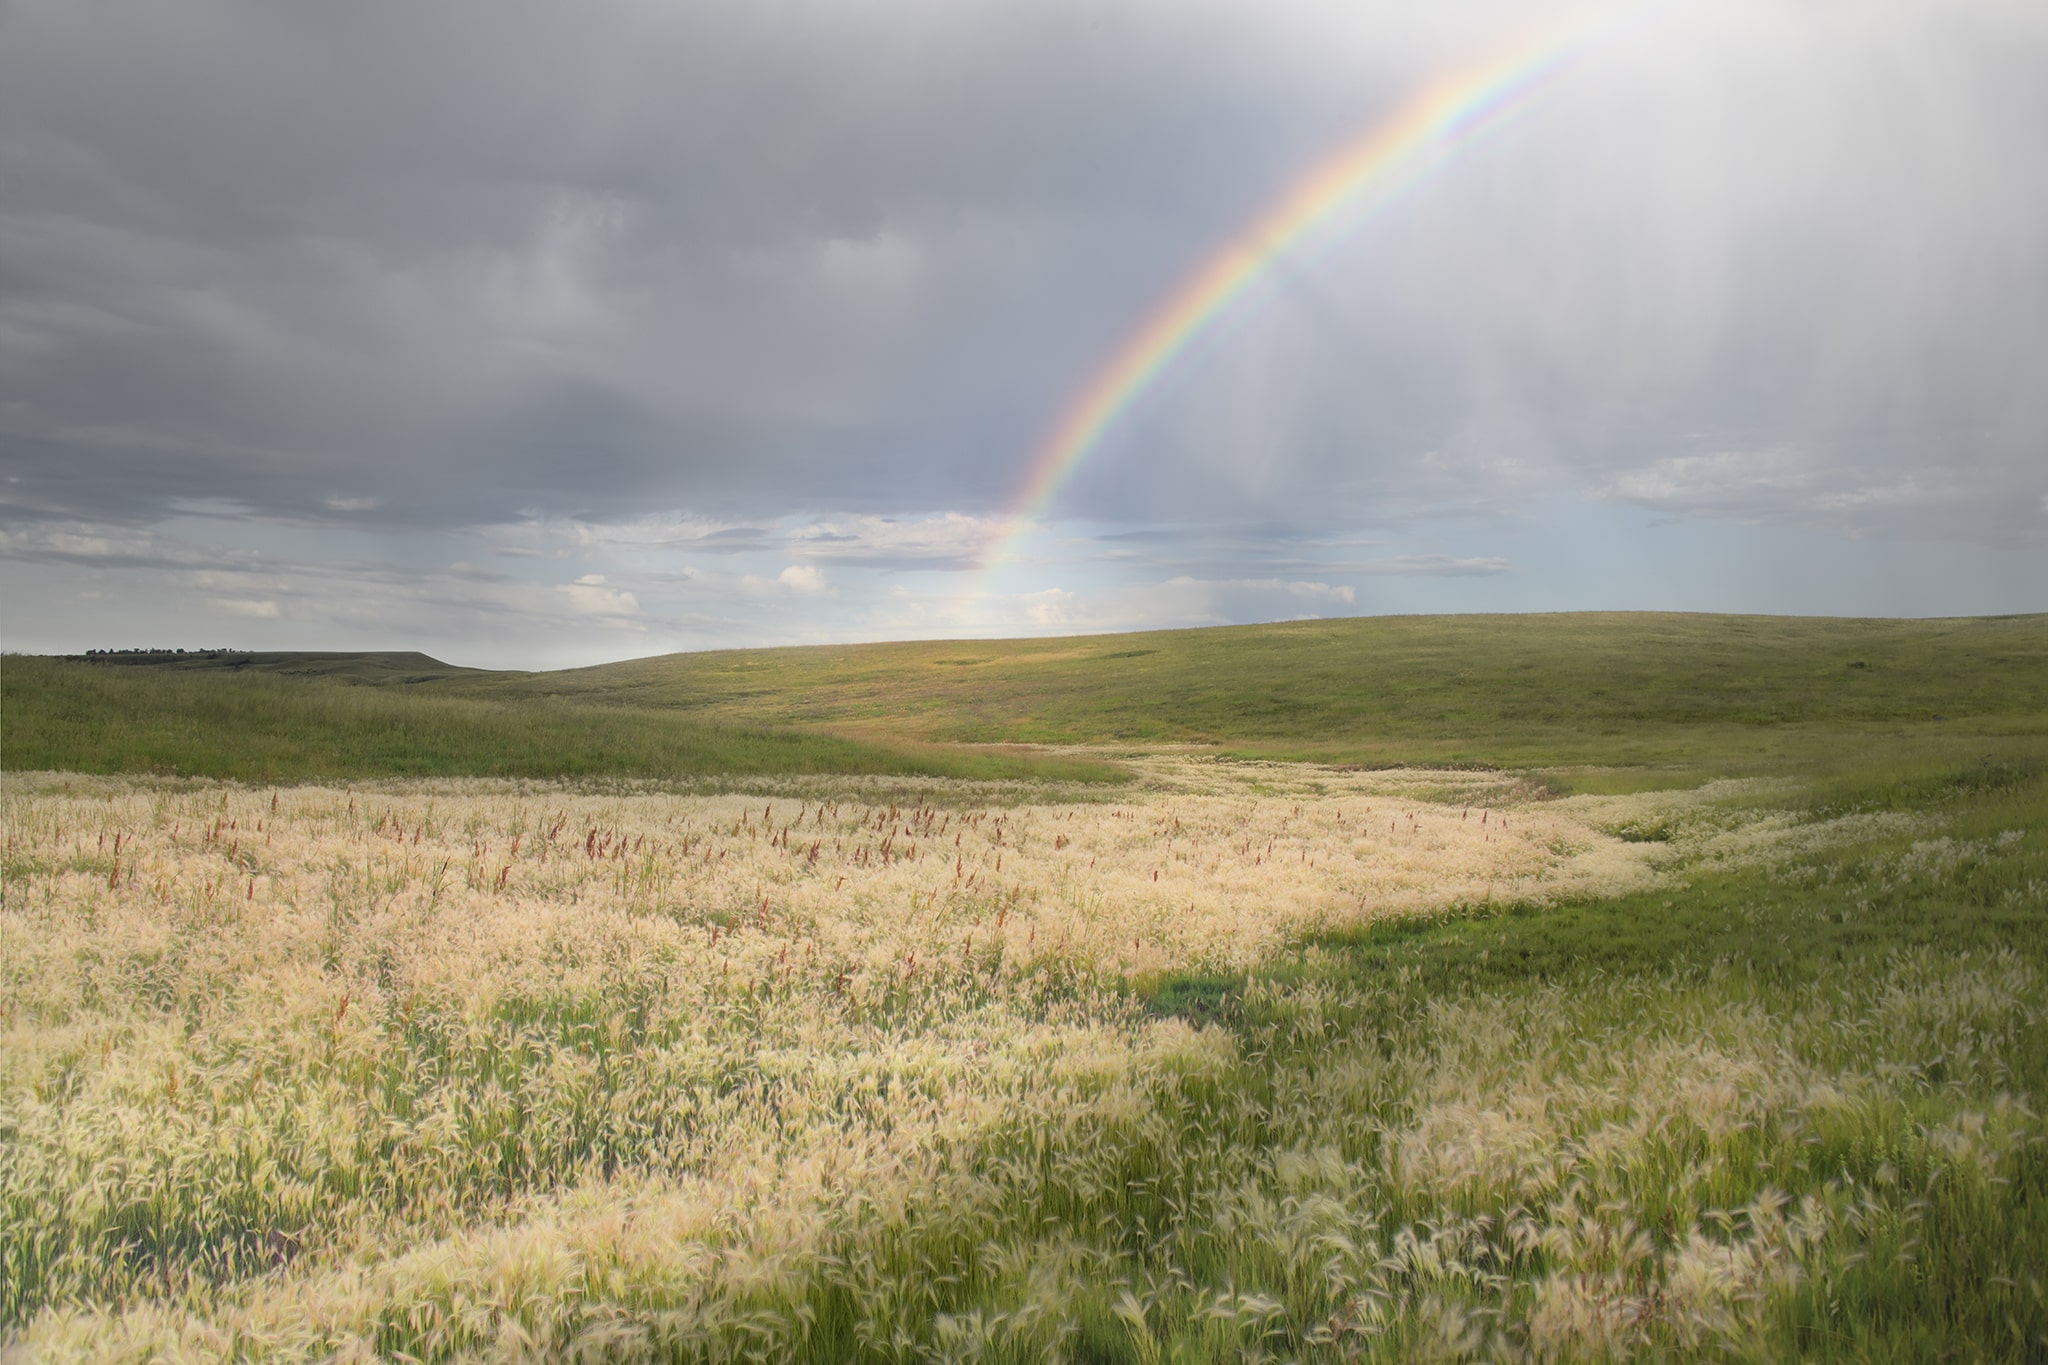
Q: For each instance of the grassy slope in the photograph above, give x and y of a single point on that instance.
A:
(1544, 689)
(1945, 716)
(1962, 1278)
(1717, 693)
(265, 728)
(377, 667)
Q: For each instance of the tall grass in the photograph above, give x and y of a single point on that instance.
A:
(442, 1070)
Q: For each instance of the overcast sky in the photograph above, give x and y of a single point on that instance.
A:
(531, 335)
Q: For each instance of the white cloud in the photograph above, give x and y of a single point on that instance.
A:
(55, 543)
(594, 597)
(241, 606)
(1910, 491)
(946, 538)
(1436, 566)
(1724, 481)
(1789, 486)
(936, 540)
(1322, 592)
(1049, 608)
(101, 546)
(802, 578)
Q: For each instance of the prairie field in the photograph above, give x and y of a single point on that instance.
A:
(1223, 1059)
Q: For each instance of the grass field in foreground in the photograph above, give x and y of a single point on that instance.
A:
(1731, 1053)
(1228, 1069)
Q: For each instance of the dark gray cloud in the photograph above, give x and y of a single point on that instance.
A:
(490, 257)
(784, 296)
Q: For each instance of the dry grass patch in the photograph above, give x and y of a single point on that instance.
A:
(473, 1067)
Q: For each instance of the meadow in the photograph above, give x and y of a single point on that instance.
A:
(1729, 1055)
(1636, 690)
(1531, 690)
(268, 725)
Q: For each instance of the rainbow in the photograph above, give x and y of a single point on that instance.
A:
(1365, 174)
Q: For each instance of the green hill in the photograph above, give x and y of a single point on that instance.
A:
(297, 723)
(384, 666)
(1605, 689)
(1601, 687)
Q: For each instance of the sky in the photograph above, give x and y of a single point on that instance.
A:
(540, 335)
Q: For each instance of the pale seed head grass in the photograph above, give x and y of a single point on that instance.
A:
(505, 1069)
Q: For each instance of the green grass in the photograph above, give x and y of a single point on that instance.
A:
(376, 667)
(1531, 690)
(1166, 1213)
(1959, 1272)
(1672, 697)
(1213, 1227)
(1795, 931)
(261, 727)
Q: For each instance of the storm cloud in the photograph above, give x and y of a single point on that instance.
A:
(630, 318)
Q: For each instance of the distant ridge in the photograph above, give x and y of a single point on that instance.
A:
(1500, 688)
(1539, 690)
(377, 666)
